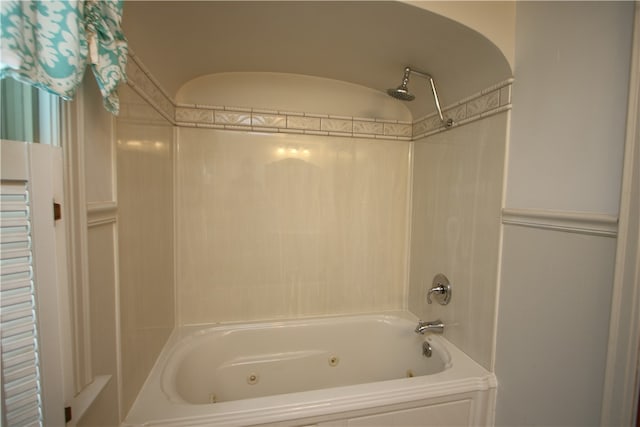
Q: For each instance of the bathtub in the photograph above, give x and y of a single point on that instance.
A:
(333, 371)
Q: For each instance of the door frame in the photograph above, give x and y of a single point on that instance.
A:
(622, 376)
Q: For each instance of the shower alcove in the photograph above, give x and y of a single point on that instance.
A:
(256, 141)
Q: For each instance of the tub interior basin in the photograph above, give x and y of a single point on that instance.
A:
(223, 363)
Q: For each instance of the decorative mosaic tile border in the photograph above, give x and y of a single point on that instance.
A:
(139, 113)
(259, 120)
(492, 100)
(145, 85)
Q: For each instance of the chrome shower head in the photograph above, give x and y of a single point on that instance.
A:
(402, 92)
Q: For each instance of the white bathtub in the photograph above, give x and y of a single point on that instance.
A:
(335, 371)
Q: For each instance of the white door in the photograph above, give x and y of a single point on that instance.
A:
(32, 300)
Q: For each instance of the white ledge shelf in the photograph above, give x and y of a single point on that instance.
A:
(86, 397)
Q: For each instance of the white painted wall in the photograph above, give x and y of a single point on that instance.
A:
(552, 330)
(569, 105)
(565, 154)
(493, 19)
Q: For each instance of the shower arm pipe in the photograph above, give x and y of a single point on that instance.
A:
(433, 91)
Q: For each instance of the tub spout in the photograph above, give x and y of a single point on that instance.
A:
(436, 326)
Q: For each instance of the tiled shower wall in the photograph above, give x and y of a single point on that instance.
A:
(281, 226)
(458, 179)
(144, 151)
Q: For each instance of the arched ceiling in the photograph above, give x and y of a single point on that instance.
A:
(366, 43)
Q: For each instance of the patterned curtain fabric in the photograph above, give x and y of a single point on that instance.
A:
(48, 44)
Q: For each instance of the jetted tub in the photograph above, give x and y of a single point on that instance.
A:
(333, 371)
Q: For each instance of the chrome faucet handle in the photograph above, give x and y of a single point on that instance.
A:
(441, 288)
